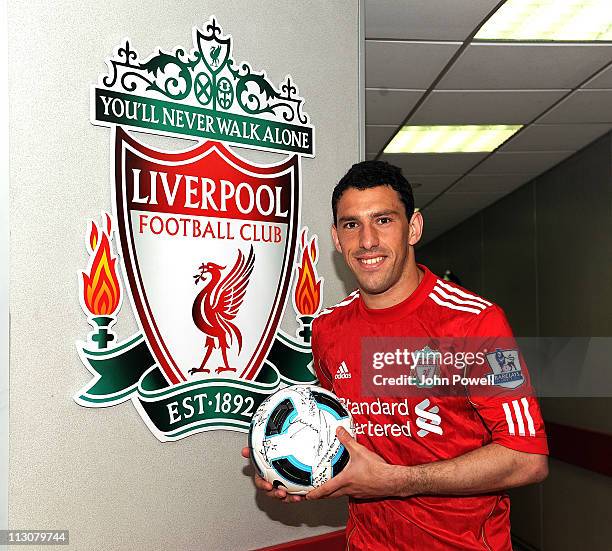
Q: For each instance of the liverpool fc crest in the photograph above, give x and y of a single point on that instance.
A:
(209, 245)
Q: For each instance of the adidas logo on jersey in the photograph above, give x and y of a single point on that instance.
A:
(343, 372)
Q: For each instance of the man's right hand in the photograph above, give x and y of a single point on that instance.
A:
(265, 486)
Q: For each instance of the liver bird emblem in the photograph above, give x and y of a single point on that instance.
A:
(214, 54)
(217, 304)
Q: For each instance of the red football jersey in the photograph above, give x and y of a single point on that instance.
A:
(412, 430)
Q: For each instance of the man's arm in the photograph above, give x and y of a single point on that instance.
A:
(487, 469)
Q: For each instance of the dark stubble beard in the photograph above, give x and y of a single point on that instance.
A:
(386, 283)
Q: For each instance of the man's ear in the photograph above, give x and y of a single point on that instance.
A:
(416, 228)
(334, 233)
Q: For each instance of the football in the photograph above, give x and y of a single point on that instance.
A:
(292, 438)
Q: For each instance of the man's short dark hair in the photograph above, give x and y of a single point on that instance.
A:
(370, 174)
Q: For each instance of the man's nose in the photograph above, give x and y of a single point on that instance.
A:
(368, 237)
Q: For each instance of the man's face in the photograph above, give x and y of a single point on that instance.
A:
(374, 236)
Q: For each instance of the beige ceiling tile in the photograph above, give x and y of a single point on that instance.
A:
(550, 137)
(484, 107)
(434, 163)
(521, 162)
(424, 19)
(408, 65)
(602, 80)
(583, 106)
(494, 66)
(384, 106)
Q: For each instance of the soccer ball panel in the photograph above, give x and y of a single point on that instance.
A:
(281, 417)
(330, 404)
(293, 470)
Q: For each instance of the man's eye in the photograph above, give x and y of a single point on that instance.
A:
(384, 220)
(350, 225)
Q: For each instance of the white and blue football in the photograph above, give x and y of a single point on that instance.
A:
(293, 441)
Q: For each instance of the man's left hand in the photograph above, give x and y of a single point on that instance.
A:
(367, 475)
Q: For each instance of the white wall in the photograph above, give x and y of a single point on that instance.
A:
(100, 473)
(4, 173)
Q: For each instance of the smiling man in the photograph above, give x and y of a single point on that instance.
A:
(439, 483)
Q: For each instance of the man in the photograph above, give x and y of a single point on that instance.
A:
(439, 487)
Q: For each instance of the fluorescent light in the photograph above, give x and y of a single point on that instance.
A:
(550, 20)
(450, 139)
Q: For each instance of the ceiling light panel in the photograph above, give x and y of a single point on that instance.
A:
(450, 139)
(550, 21)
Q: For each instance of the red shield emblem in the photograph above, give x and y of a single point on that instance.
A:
(207, 241)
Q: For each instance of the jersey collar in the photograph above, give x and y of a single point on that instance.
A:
(407, 306)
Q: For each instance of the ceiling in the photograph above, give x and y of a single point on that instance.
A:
(422, 67)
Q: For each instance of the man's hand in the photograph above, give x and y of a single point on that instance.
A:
(365, 476)
(488, 469)
(265, 486)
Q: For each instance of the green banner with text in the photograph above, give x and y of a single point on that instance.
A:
(113, 107)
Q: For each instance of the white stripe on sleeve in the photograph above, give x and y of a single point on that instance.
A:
(530, 424)
(462, 293)
(452, 306)
(508, 418)
(519, 417)
(458, 300)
